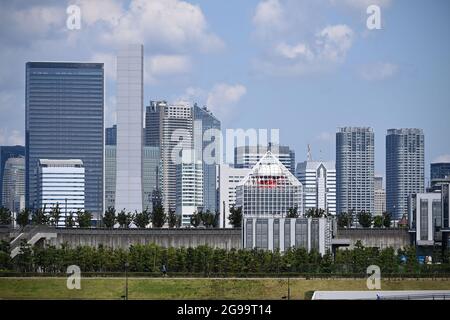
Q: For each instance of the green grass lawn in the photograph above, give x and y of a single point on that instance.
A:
(151, 288)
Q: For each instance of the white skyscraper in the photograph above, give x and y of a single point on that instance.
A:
(129, 128)
(229, 179)
(176, 135)
(62, 183)
(319, 185)
(189, 187)
(379, 197)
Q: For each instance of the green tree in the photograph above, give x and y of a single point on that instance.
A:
(172, 218)
(55, 215)
(69, 220)
(178, 224)
(208, 219)
(292, 213)
(196, 219)
(344, 220)
(159, 217)
(387, 219)
(109, 218)
(23, 217)
(235, 217)
(142, 219)
(24, 260)
(40, 217)
(84, 218)
(5, 258)
(316, 213)
(124, 219)
(378, 221)
(365, 219)
(5, 216)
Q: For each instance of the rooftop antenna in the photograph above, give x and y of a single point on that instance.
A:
(308, 155)
(320, 152)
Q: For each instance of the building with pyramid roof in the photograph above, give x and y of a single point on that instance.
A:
(269, 190)
(266, 195)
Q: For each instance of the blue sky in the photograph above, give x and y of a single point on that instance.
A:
(305, 67)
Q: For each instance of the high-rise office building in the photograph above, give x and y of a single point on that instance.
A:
(379, 197)
(64, 120)
(355, 169)
(110, 176)
(424, 217)
(248, 156)
(176, 123)
(151, 168)
(13, 186)
(61, 183)
(7, 152)
(405, 168)
(111, 136)
(440, 170)
(189, 190)
(207, 144)
(229, 179)
(152, 123)
(130, 72)
(152, 165)
(319, 185)
(269, 190)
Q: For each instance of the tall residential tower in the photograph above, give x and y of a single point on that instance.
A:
(405, 168)
(355, 169)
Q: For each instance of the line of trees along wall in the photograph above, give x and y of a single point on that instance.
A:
(204, 259)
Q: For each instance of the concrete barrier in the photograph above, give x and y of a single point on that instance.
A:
(123, 238)
(380, 238)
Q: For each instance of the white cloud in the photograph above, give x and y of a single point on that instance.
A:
(442, 158)
(108, 11)
(223, 97)
(360, 4)
(168, 64)
(13, 137)
(168, 24)
(378, 71)
(328, 49)
(295, 51)
(269, 17)
(333, 42)
(295, 40)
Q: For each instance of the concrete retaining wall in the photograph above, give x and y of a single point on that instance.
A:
(120, 238)
(381, 238)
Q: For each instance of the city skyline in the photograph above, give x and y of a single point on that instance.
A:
(203, 65)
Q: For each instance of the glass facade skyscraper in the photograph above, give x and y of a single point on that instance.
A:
(64, 120)
(355, 169)
(111, 136)
(440, 170)
(207, 133)
(152, 125)
(405, 168)
(13, 185)
(7, 152)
